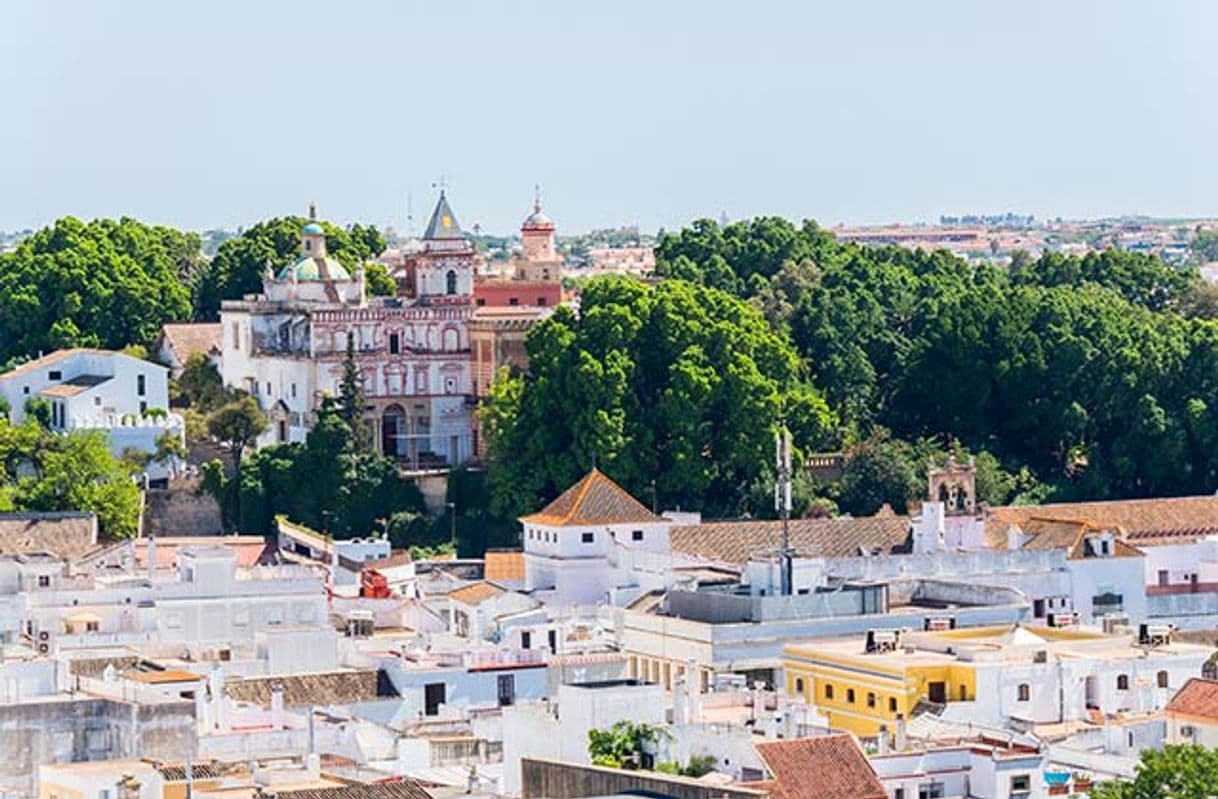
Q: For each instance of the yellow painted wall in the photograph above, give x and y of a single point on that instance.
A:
(896, 689)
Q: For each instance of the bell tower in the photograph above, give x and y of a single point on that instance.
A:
(955, 485)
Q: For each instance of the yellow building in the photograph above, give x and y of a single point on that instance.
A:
(862, 684)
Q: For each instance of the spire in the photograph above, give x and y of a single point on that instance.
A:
(443, 224)
(312, 211)
(537, 198)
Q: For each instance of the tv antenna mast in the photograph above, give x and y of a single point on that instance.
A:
(782, 504)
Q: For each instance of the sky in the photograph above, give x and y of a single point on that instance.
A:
(221, 114)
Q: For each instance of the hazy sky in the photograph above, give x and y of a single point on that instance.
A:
(224, 113)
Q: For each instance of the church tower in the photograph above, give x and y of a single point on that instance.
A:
(443, 269)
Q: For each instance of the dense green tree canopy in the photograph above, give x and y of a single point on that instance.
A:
(45, 471)
(1096, 374)
(1175, 772)
(97, 284)
(678, 384)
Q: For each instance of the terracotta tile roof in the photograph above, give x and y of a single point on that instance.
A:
(476, 593)
(187, 339)
(68, 534)
(593, 500)
(1144, 522)
(1070, 536)
(54, 357)
(248, 550)
(1198, 698)
(158, 677)
(825, 767)
(402, 789)
(198, 771)
(74, 386)
(300, 690)
(503, 564)
(736, 541)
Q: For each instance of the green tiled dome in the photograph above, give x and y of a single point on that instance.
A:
(313, 268)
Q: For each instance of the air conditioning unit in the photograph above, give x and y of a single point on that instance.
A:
(44, 648)
(1155, 634)
(883, 640)
(939, 624)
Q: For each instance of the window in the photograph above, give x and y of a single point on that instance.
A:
(828, 691)
(25, 389)
(269, 393)
(506, 689)
(140, 385)
(637, 535)
(54, 374)
(850, 695)
(898, 793)
(870, 699)
(44, 581)
(480, 301)
(526, 640)
(1020, 784)
(293, 391)
(892, 704)
(143, 407)
(451, 281)
(514, 301)
(434, 695)
(92, 627)
(541, 302)
(931, 790)
(799, 685)
(1186, 731)
(1024, 692)
(588, 538)
(1122, 682)
(395, 344)
(1161, 678)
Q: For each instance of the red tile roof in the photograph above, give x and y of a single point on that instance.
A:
(1198, 698)
(825, 767)
(188, 338)
(503, 565)
(737, 541)
(476, 593)
(593, 500)
(1144, 522)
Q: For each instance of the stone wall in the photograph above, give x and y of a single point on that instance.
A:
(59, 730)
(181, 509)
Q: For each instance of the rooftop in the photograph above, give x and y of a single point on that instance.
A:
(595, 499)
(825, 767)
(738, 541)
(187, 339)
(1145, 522)
(1198, 698)
(476, 593)
(73, 386)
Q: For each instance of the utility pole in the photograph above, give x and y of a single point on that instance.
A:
(782, 504)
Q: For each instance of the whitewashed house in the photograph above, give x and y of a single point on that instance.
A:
(125, 397)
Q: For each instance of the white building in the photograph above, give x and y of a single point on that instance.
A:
(287, 345)
(125, 397)
(574, 547)
(1192, 714)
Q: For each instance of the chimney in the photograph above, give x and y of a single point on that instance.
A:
(882, 740)
(151, 557)
(901, 743)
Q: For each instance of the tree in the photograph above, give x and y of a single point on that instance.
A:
(237, 423)
(104, 283)
(623, 744)
(239, 263)
(351, 402)
(45, 471)
(679, 384)
(379, 281)
(199, 385)
(39, 410)
(1175, 772)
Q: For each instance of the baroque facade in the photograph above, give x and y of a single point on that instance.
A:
(287, 345)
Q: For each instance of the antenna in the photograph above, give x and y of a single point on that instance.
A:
(782, 503)
(409, 215)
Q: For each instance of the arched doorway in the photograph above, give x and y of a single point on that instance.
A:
(393, 431)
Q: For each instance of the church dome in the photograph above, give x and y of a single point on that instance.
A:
(315, 267)
(312, 229)
(537, 221)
